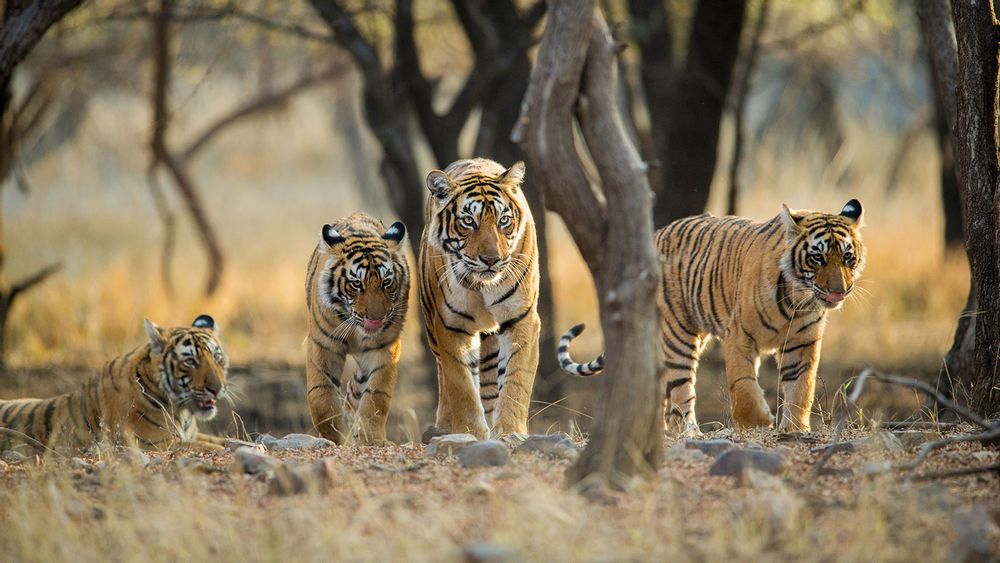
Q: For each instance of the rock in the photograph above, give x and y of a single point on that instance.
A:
(488, 453)
(558, 446)
(199, 465)
(132, 456)
(481, 488)
(913, 438)
(13, 457)
(448, 445)
(798, 437)
(488, 553)
(294, 442)
(514, 439)
(432, 432)
(231, 444)
(736, 462)
(297, 479)
(881, 441)
(710, 447)
(876, 467)
(984, 455)
(252, 461)
(681, 451)
(79, 463)
(976, 531)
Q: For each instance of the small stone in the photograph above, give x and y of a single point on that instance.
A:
(977, 532)
(13, 457)
(876, 467)
(481, 488)
(834, 448)
(231, 444)
(913, 438)
(252, 461)
(558, 446)
(681, 451)
(488, 453)
(798, 437)
(488, 553)
(448, 445)
(132, 456)
(881, 441)
(199, 465)
(736, 462)
(295, 479)
(984, 455)
(710, 447)
(79, 463)
(294, 442)
(432, 432)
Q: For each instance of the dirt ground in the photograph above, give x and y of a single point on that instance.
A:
(396, 503)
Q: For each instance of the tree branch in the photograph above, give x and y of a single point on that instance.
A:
(338, 19)
(22, 30)
(935, 19)
(27, 283)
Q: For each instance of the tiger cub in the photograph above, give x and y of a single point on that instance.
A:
(357, 286)
(478, 294)
(151, 396)
(761, 288)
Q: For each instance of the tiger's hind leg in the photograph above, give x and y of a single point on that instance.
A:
(679, 353)
(370, 392)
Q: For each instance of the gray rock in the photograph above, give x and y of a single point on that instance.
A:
(295, 479)
(875, 467)
(488, 453)
(681, 451)
(914, 438)
(132, 456)
(294, 442)
(79, 463)
(431, 433)
(231, 444)
(558, 445)
(736, 462)
(488, 553)
(448, 445)
(710, 447)
(251, 461)
(976, 531)
(199, 465)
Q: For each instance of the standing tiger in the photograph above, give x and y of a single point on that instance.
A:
(760, 288)
(357, 286)
(151, 396)
(478, 293)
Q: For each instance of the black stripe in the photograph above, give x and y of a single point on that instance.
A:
(511, 322)
(809, 324)
(674, 365)
(462, 314)
(675, 383)
(505, 296)
(794, 348)
(455, 329)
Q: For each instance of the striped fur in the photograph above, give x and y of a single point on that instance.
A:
(357, 286)
(150, 397)
(761, 288)
(478, 294)
(593, 367)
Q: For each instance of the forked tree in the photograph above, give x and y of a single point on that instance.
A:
(609, 214)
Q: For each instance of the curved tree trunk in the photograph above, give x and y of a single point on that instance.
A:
(626, 437)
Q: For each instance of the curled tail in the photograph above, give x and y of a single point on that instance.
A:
(569, 366)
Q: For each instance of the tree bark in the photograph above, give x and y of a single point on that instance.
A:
(626, 437)
(24, 24)
(697, 104)
(741, 97)
(976, 156)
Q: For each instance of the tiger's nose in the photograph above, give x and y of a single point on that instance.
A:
(489, 260)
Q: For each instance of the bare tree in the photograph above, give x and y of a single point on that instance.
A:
(574, 83)
(973, 363)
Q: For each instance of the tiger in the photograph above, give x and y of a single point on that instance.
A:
(478, 269)
(357, 287)
(760, 288)
(151, 397)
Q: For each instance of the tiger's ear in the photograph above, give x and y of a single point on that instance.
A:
(331, 237)
(205, 321)
(852, 210)
(790, 219)
(439, 184)
(514, 176)
(157, 336)
(394, 235)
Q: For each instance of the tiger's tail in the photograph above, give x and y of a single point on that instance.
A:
(594, 367)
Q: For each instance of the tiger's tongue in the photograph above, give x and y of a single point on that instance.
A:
(371, 324)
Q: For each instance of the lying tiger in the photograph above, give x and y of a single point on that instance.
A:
(760, 288)
(150, 397)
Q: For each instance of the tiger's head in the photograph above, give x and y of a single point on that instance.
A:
(477, 217)
(825, 252)
(191, 363)
(364, 279)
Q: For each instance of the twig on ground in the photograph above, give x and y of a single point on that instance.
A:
(958, 472)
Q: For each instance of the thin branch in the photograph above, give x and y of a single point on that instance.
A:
(257, 105)
(346, 33)
(942, 48)
(958, 472)
(814, 31)
(21, 31)
(27, 283)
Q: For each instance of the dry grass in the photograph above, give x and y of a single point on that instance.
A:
(391, 504)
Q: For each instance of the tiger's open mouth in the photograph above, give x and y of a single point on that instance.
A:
(206, 404)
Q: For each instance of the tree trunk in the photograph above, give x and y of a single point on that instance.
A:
(976, 156)
(697, 103)
(626, 437)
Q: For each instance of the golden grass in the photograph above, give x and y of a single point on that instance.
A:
(391, 504)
